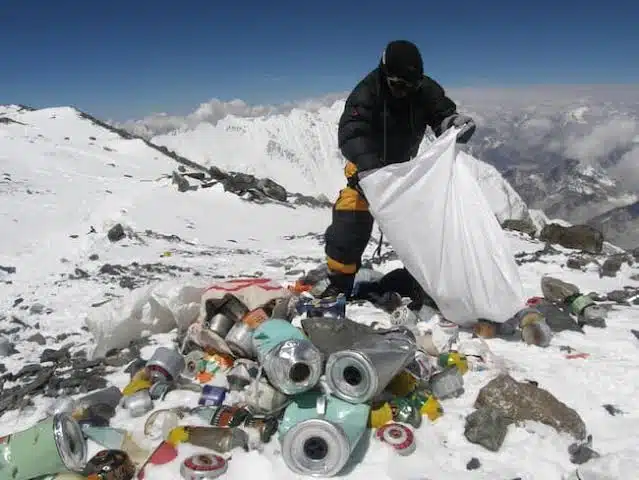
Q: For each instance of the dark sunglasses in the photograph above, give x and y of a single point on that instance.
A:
(398, 83)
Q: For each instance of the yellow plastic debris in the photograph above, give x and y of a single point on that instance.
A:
(402, 384)
(178, 435)
(432, 408)
(380, 415)
(140, 381)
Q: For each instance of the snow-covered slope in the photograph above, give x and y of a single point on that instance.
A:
(299, 150)
(57, 270)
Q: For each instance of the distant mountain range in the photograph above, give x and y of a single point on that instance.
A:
(571, 151)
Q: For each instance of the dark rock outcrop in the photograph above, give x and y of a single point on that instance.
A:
(578, 237)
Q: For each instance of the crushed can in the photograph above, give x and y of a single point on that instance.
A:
(222, 314)
(362, 372)
(291, 362)
(318, 433)
(448, 383)
(240, 337)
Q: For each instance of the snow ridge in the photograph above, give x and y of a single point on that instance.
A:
(299, 150)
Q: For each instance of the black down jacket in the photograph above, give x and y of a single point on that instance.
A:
(370, 142)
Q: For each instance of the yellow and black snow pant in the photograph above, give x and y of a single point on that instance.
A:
(348, 234)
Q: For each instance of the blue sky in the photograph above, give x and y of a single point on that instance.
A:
(125, 59)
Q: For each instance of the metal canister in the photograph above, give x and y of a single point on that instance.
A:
(212, 396)
(165, 364)
(233, 307)
(240, 340)
(203, 466)
(362, 372)
(397, 436)
(139, 403)
(292, 363)
(218, 320)
(57, 443)
(319, 433)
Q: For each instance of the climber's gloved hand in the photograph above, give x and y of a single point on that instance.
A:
(464, 122)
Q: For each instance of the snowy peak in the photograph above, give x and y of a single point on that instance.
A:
(65, 131)
(299, 151)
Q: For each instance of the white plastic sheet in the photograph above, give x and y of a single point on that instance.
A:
(166, 305)
(434, 214)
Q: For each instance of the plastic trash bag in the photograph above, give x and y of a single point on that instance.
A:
(436, 217)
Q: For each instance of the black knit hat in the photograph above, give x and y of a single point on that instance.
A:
(402, 59)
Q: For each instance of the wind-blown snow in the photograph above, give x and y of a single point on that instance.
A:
(53, 188)
(299, 150)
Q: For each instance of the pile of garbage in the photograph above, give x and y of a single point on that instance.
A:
(317, 388)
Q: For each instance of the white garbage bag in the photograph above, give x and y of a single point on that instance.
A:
(149, 310)
(436, 217)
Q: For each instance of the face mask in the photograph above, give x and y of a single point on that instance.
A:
(400, 87)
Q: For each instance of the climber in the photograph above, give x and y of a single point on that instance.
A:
(383, 122)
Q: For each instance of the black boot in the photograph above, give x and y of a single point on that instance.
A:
(337, 283)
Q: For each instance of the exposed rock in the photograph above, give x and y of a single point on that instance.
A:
(37, 338)
(272, 189)
(240, 183)
(217, 174)
(613, 264)
(473, 464)
(116, 232)
(182, 183)
(536, 256)
(621, 296)
(580, 453)
(520, 225)
(578, 237)
(612, 410)
(8, 269)
(94, 256)
(579, 262)
(312, 202)
(6, 347)
(36, 309)
(55, 356)
(487, 427)
(136, 274)
(201, 176)
(522, 401)
(11, 398)
(557, 318)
